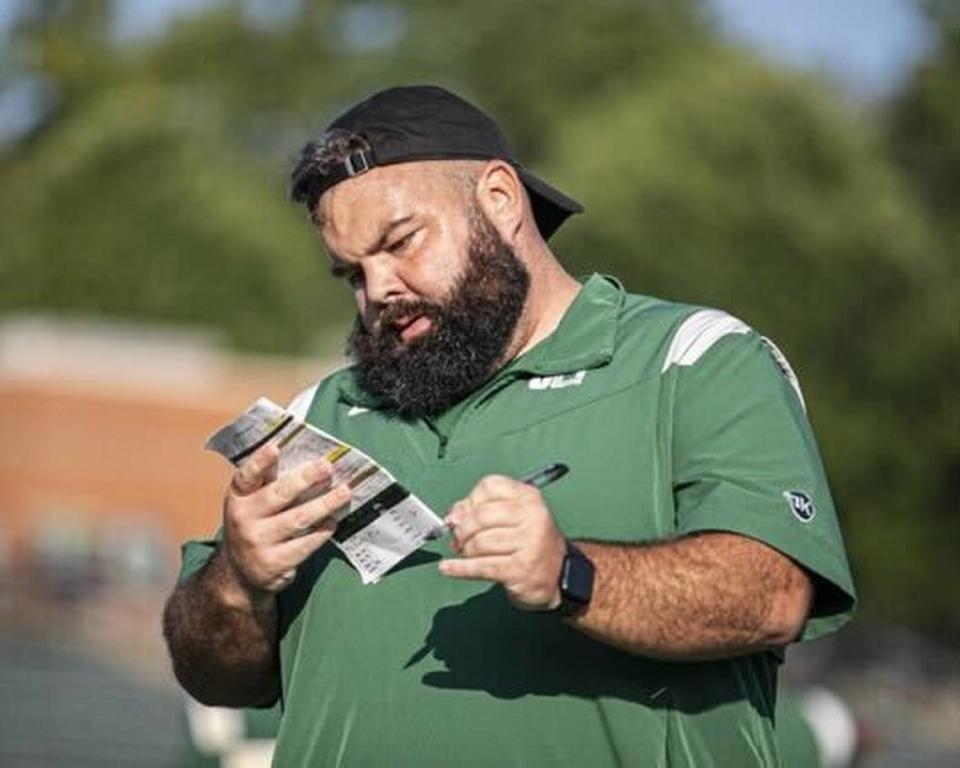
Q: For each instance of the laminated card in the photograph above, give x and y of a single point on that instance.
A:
(384, 521)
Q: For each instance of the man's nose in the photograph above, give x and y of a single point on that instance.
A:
(381, 283)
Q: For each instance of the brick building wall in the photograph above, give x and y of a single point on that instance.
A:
(103, 435)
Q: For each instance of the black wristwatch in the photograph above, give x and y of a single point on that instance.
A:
(576, 582)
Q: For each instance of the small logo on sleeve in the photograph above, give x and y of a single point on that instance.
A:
(801, 504)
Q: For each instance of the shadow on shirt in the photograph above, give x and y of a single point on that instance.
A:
(486, 644)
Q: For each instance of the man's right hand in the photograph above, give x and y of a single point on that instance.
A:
(264, 537)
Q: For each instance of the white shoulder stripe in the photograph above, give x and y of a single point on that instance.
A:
(300, 404)
(698, 333)
(784, 365)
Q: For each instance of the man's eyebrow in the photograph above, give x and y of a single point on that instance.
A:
(387, 230)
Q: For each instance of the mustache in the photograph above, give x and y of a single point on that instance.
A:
(385, 324)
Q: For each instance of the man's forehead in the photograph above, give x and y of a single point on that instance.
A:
(381, 190)
(364, 204)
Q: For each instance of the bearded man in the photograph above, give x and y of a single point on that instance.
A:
(634, 613)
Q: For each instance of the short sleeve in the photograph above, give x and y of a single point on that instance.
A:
(194, 555)
(746, 461)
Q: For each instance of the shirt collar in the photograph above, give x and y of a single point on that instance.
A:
(350, 391)
(586, 334)
(583, 339)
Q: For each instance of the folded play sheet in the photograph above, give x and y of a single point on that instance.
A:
(384, 522)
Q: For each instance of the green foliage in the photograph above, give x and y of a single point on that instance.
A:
(924, 140)
(531, 62)
(925, 131)
(127, 210)
(157, 192)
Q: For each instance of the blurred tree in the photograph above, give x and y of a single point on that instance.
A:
(925, 128)
(134, 202)
(534, 62)
(67, 42)
(924, 140)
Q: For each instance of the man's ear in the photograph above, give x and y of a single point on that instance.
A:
(501, 197)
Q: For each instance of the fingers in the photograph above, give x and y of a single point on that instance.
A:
(284, 491)
(274, 569)
(287, 555)
(297, 550)
(309, 516)
(256, 470)
(499, 487)
(505, 533)
(259, 521)
(491, 541)
(292, 554)
(492, 568)
(263, 552)
(466, 520)
(495, 501)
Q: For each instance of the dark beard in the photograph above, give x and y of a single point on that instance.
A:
(469, 333)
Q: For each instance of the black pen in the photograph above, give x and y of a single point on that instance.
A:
(543, 477)
(539, 478)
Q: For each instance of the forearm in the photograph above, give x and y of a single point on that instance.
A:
(701, 597)
(222, 639)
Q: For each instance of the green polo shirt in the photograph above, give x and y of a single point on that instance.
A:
(673, 419)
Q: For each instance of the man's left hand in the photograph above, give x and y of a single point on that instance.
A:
(504, 532)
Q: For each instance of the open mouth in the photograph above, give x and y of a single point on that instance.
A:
(412, 327)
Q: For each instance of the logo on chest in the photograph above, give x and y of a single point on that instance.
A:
(557, 382)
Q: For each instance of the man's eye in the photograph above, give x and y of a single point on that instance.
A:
(348, 273)
(399, 245)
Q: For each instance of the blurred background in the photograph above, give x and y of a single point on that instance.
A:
(797, 164)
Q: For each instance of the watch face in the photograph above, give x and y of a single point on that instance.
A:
(577, 582)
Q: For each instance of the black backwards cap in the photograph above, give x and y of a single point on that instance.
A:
(426, 122)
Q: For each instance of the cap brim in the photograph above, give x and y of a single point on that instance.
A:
(550, 206)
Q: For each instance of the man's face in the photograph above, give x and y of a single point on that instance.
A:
(438, 292)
